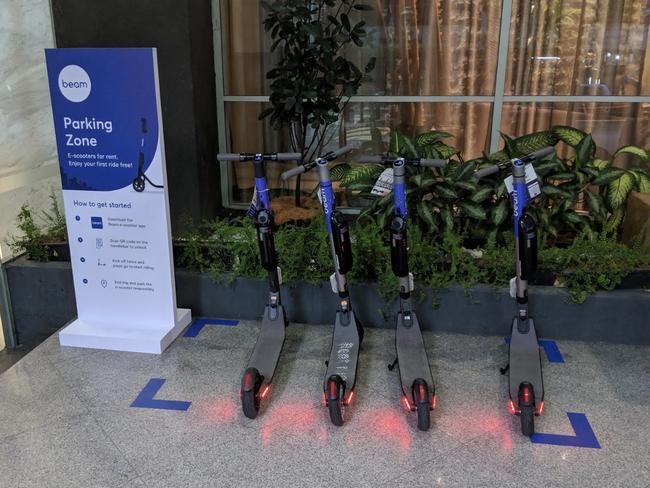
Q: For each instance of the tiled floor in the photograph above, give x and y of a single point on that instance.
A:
(66, 420)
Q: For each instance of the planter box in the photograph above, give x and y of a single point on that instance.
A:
(43, 300)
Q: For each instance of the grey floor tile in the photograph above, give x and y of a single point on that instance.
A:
(77, 401)
(73, 452)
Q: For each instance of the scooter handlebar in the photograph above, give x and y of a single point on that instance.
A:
(490, 170)
(351, 146)
(298, 170)
(289, 156)
(228, 157)
(434, 163)
(371, 159)
(267, 157)
(539, 154)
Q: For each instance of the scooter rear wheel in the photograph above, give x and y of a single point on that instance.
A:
(527, 420)
(422, 398)
(334, 395)
(527, 409)
(250, 398)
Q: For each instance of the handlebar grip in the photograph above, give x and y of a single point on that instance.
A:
(434, 163)
(540, 153)
(490, 170)
(292, 172)
(228, 157)
(289, 156)
(351, 146)
(371, 159)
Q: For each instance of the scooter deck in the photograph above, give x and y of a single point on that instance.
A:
(269, 344)
(525, 361)
(344, 356)
(412, 359)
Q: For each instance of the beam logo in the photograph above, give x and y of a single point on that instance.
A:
(74, 83)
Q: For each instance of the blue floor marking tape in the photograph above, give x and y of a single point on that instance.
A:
(550, 348)
(146, 398)
(198, 324)
(584, 435)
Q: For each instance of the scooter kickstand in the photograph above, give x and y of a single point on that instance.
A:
(391, 366)
(505, 370)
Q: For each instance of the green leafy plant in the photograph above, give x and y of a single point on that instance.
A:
(312, 80)
(35, 236)
(589, 265)
(228, 248)
(580, 193)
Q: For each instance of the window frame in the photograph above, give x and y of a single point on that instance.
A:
(497, 100)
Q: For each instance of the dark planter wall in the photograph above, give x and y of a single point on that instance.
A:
(42, 296)
(182, 32)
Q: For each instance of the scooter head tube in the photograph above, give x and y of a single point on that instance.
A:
(399, 187)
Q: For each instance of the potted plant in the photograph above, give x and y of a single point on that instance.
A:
(312, 81)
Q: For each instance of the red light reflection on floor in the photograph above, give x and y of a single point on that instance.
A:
(392, 425)
(299, 416)
(219, 410)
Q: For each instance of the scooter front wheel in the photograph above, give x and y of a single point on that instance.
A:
(334, 392)
(250, 397)
(422, 399)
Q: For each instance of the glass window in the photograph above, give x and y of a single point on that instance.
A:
(612, 125)
(445, 48)
(422, 47)
(579, 47)
(469, 123)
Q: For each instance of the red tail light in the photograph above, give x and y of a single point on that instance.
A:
(405, 402)
(349, 399)
(433, 402)
(541, 408)
(264, 391)
(511, 407)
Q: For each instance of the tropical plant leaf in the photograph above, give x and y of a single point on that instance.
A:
(466, 185)
(431, 137)
(339, 171)
(446, 192)
(443, 151)
(425, 214)
(447, 218)
(618, 190)
(608, 175)
(614, 220)
(643, 183)
(553, 191)
(481, 195)
(570, 135)
(532, 142)
(585, 151)
(465, 170)
(366, 173)
(600, 163)
(595, 203)
(500, 212)
(397, 143)
(472, 210)
(567, 176)
(635, 150)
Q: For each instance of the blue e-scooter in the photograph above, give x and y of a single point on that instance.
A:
(266, 353)
(139, 182)
(340, 378)
(411, 358)
(525, 383)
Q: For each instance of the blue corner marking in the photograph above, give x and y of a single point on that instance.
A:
(146, 398)
(584, 435)
(198, 324)
(550, 348)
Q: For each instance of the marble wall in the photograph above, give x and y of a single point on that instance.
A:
(28, 161)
